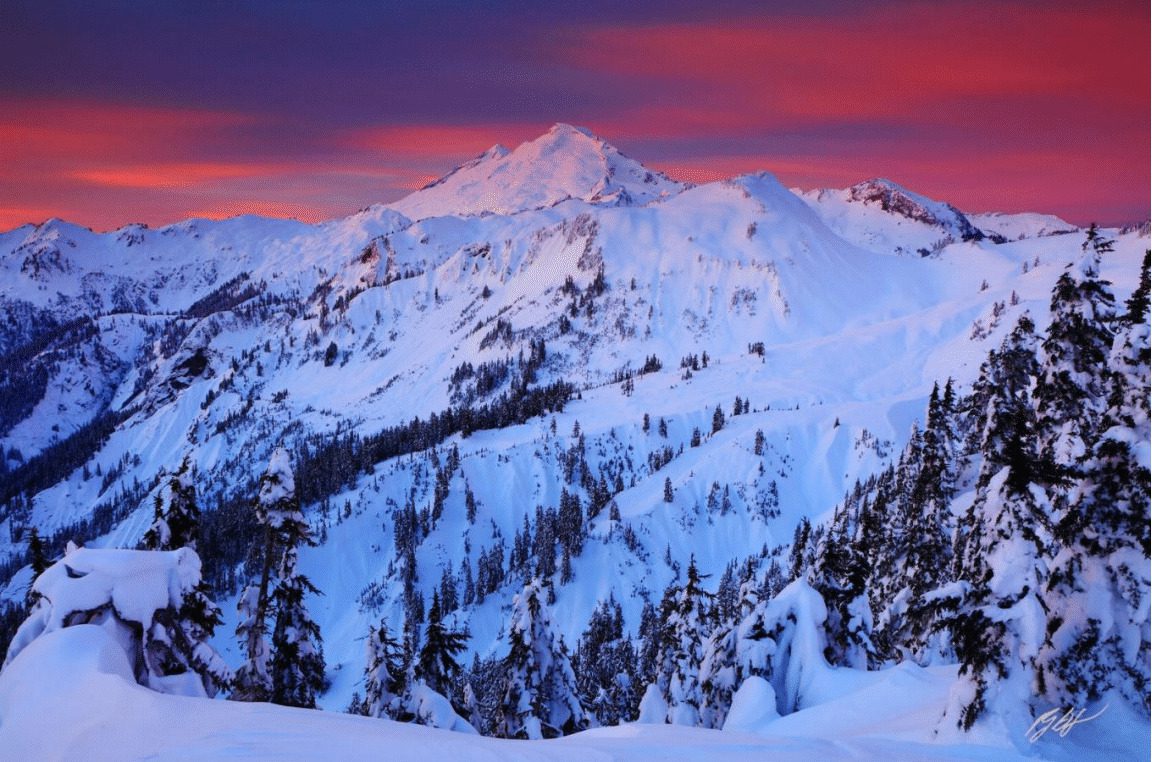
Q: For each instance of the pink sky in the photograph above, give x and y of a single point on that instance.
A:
(1007, 106)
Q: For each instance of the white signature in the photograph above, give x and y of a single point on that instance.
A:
(1062, 724)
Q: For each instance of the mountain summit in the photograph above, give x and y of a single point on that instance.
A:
(566, 162)
(882, 216)
(897, 199)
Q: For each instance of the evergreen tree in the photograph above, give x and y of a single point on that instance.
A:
(727, 659)
(1136, 308)
(297, 653)
(798, 556)
(383, 675)
(448, 596)
(177, 521)
(717, 419)
(780, 639)
(437, 665)
(252, 681)
(1098, 622)
(198, 618)
(651, 636)
(544, 544)
(138, 597)
(470, 504)
(176, 524)
(1003, 562)
(295, 675)
(687, 614)
(39, 562)
(905, 535)
(1071, 391)
(540, 697)
(840, 574)
(604, 664)
(469, 581)
(36, 554)
(570, 522)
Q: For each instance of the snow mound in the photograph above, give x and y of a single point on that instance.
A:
(753, 706)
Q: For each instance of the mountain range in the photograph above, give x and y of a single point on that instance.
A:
(696, 371)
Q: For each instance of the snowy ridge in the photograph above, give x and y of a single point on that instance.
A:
(1014, 227)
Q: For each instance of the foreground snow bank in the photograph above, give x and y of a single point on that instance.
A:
(71, 694)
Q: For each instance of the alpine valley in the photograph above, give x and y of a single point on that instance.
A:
(559, 446)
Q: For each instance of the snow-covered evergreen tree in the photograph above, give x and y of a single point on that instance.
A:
(910, 587)
(1071, 391)
(686, 611)
(296, 674)
(730, 656)
(297, 651)
(383, 674)
(252, 682)
(137, 596)
(1098, 593)
(997, 630)
(540, 697)
(437, 665)
(840, 574)
(605, 666)
(176, 522)
(198, 617)
(782, 640)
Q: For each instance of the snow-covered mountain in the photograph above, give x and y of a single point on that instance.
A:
(1013, 227)
(551, 365)
(880, 215)
(565, 163)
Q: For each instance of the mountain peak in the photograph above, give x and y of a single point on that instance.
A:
(566, 162)
(562, 128)
(879, 188)
(497, 151)
(896, 199)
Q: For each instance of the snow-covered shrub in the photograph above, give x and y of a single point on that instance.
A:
(144, 599)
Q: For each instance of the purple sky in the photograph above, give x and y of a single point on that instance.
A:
(114, 112)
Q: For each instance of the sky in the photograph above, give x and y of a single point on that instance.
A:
(120, 111)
